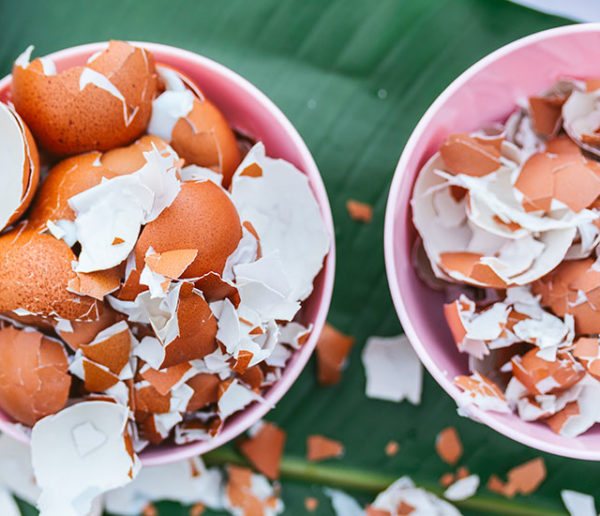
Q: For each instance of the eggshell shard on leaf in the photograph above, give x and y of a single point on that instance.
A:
(116, 87)
(578, 504)
(264, 448)
(448, 445)
(359, 211)
(186, 482)
(462, 488)
(34, 381)
(319, 448)
(20, 165)
(248, 493)
(393, 370)
(89, 441)
(403, 497)
(332, 349)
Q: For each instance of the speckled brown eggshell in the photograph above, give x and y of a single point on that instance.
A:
(34, 381)
(35, 270)
(66, 120)
(201, 217)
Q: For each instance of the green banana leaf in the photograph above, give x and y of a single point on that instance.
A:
(354, 77)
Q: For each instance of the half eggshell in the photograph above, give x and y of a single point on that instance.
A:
(98, 106)
(20, 165)
(194, 126)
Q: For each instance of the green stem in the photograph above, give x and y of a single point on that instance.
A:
(294, 468)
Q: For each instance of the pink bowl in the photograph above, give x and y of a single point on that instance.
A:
(250, 111)
(485, 93)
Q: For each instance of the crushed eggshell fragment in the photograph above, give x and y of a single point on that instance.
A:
(393, 369)
(403, 497)
(332, 350)
(319, 448)
(448, 445)
(264, 448)
(359, 211)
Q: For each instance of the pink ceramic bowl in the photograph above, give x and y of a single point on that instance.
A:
(486, 92)
(250, 111)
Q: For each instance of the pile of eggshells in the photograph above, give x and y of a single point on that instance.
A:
(153, 264)
(509, 219)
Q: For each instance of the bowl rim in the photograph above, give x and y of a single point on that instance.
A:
(247, 417)
(391, 230)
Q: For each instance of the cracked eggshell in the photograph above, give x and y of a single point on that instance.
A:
(194, 126)
(78, 173)
(103, 104)
(276, 199)
(20, 165)
(201, 217)
(35, 273)
(34, 381)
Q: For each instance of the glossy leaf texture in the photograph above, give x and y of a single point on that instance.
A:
(354, 76)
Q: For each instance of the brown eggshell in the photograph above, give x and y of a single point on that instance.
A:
(26, 173)
(34, 275)
(34, 381)
(79, 173)
(201, 217)
(69, 120)
(197, 329)
(204, 138)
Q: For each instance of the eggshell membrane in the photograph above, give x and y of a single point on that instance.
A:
(70, 121)
(34, 381)
(205, 138)
(79, 173)
(332, 350)
(197, 329)
(34, 275)
(201, 217)
(31, 167)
